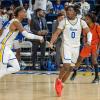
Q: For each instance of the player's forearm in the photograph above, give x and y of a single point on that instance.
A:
(31, 36)
(98, 46)
(55, 36)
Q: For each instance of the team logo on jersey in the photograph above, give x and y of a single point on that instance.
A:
(72, 29)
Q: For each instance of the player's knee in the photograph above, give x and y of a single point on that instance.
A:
(67, 67)
(94, 62)
(17, 67)
(95, 65)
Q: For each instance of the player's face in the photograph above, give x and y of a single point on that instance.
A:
(22, 13)
(87, 19)
(71, 14)
(41, 13)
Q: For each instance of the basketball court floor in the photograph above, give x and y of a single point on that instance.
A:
(41, 87)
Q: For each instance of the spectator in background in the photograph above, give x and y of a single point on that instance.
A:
(28, 8)
(98, 18)
(49, 7)
(55, 24)
(58, 7)
(5, 15)
(1, 20)
(0, 2)
(85, 7)
(70, 2)
(78, 7)
(38, 26)
(12, 7)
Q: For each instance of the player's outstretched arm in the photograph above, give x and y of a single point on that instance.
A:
(87, 31)
(98, 30)
(54, 37)
(89, 36)
(25, 33)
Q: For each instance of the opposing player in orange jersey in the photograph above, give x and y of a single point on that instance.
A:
(90, 50)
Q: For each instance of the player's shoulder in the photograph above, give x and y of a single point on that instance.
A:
(82, 20)
(98, 25)
(63, 21)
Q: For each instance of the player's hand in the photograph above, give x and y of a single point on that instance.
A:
(39, 33)
(87, 44)
(44, 32)
(41, 39)
(50, 45)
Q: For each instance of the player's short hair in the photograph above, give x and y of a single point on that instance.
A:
(92, 16)
(74, 8)
(17, 10)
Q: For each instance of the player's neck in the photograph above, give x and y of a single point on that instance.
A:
(73, 18)
(91, 24)
(20, 19)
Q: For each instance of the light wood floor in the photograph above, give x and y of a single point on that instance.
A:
(40, 87)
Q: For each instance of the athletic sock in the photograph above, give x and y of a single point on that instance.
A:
(96, 70)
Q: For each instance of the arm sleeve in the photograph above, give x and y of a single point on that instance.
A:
(89, 37)
(89, 34)
(31, 36)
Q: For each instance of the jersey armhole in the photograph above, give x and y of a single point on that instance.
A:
(81, 24)
(64, 25)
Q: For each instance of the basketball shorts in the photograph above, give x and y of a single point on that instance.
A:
(6, 54)
(88, 50)
(69, 54)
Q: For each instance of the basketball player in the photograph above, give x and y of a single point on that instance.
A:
(10, 32)
(71, 28)
(90, 50)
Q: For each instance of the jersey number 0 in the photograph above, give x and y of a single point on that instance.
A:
(73, 35)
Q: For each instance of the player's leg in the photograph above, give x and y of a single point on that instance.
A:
(84, 53)
(67, 74)
(3, 68)
(77, 65)
(65, 70)
(16, 46)
(8, 57)
(15, 67)
(66, 58)
(95, 64)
